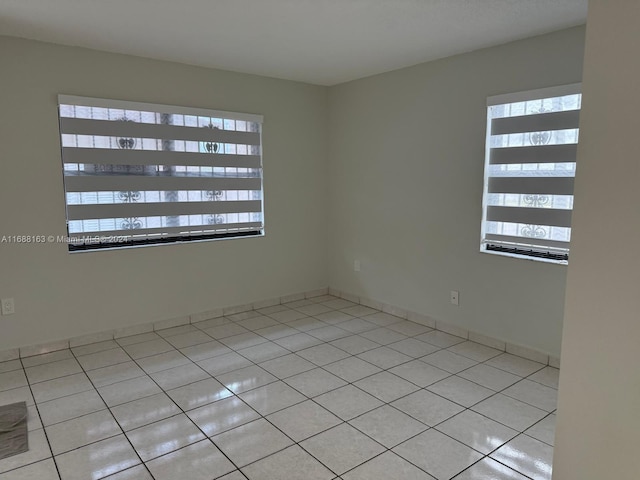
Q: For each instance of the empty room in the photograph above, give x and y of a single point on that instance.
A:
(319, 240)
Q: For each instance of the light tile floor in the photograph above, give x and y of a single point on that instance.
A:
(313, 389)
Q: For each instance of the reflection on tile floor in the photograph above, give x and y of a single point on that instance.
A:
(313, 389)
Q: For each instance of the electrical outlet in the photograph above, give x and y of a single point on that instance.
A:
(455, 297)
(8, 308)
(356, 265)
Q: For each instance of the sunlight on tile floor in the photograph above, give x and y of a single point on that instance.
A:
(313, 389)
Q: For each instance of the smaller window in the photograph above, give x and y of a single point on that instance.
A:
(530, 166)
(143, 174)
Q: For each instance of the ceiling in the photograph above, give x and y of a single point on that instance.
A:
(322, 42)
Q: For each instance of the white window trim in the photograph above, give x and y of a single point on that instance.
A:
(542, 93)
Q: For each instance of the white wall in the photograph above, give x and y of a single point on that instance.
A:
(60, 295)
(406, 162)
(402, 188)
(598, 424)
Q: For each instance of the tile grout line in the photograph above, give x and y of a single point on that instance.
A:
(117, 423)
(44, 430)
(306, 398)
(322, 341)
(497, 461)
(321, 367)
(387, 403)
(182, 412)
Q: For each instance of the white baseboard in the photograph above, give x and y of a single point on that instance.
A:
(497, 343)
(416, 317)
(31, 350)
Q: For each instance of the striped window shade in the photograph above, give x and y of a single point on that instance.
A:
(141, 174)
(530, 167)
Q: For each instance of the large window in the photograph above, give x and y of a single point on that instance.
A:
(140, 174)
(529, 172)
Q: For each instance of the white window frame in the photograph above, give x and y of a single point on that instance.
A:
(185, 182)
(546, 250)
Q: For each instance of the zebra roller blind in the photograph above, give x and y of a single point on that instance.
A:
(140, 173)
(530, 167)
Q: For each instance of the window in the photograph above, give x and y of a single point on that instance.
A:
(140, 174)
(529, 171)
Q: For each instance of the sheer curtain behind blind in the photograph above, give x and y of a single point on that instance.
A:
(138, 173)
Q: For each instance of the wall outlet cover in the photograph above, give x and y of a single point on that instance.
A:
(8, 307)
